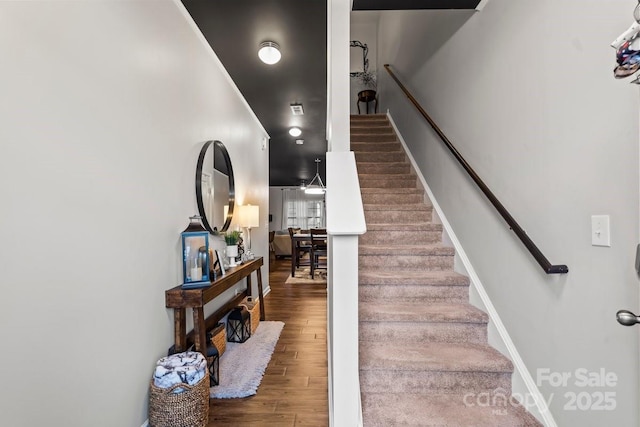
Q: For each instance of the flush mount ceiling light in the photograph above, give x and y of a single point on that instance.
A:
(316, 186)
(269, 52)
(299, 141)
(294, 131)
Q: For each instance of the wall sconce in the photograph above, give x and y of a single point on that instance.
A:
(269, 52)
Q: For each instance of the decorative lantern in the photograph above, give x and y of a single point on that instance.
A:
(195, 255)
(238, 325)
(213, 362)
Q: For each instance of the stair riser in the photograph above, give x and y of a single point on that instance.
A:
(413, 293)
(395, 262)
(384, 168)
(388, 183)
(362, 130)
(384, 381)
(373, 237)
(373, 126)
(363, 119)
(380, 157)
(391, 199)
(377, 146)
(411, 217)
(423, 331)
(375, 138)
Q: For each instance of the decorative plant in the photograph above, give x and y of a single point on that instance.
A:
(367, 78)
(232, 237)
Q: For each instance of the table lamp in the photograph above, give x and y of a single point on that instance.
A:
(249, 216)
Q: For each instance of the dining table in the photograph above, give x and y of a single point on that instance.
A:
(299, 238)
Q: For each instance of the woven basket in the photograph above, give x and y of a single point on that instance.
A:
(219, 338)
(254, 311)
(189, 408)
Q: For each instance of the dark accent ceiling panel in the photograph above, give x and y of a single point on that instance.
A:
(413, 4)
(234, 29)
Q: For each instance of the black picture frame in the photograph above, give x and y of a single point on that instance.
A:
(218, 266)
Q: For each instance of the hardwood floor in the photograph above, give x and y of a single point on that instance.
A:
(293, 391)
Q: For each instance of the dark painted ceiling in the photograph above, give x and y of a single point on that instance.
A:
(235, 28)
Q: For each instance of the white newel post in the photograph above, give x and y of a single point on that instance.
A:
(345, 222)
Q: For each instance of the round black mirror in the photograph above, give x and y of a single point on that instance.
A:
(215, 188)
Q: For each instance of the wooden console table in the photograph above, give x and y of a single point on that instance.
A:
(179, 299)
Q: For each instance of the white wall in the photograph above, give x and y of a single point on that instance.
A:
(105, 106)
(526, 92)
(275, 208)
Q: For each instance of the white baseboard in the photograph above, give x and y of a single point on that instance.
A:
(145, 424)
(540, 410)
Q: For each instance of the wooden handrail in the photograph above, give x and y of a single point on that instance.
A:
(528, 243)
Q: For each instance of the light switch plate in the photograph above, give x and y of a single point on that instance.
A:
(600, 232)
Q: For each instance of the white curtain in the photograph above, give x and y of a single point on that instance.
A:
(300, 210)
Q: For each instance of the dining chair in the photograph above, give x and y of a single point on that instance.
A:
(272, 249)
(318, 256)
(299, 249)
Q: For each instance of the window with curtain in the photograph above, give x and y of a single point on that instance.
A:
(300, 210)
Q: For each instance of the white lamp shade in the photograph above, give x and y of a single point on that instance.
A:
(269, 53)
(249, 216)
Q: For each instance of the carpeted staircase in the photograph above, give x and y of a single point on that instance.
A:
(424, 356)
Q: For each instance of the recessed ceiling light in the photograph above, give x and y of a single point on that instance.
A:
(295, 131)
(297, 110)
(299, 141)
(269, 52)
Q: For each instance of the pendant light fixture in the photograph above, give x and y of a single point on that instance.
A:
(316, 185)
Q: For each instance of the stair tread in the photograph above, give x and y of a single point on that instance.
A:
(364, 175)
(395, 226)
(397, 207)
(368, 116)
(432, 356)
(389, 311)
(411, 277)
(391, 250)
(460, 410)
(391, 190)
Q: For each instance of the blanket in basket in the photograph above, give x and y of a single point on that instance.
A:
(187, 368)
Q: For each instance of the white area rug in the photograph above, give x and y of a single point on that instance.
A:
(243, 364)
